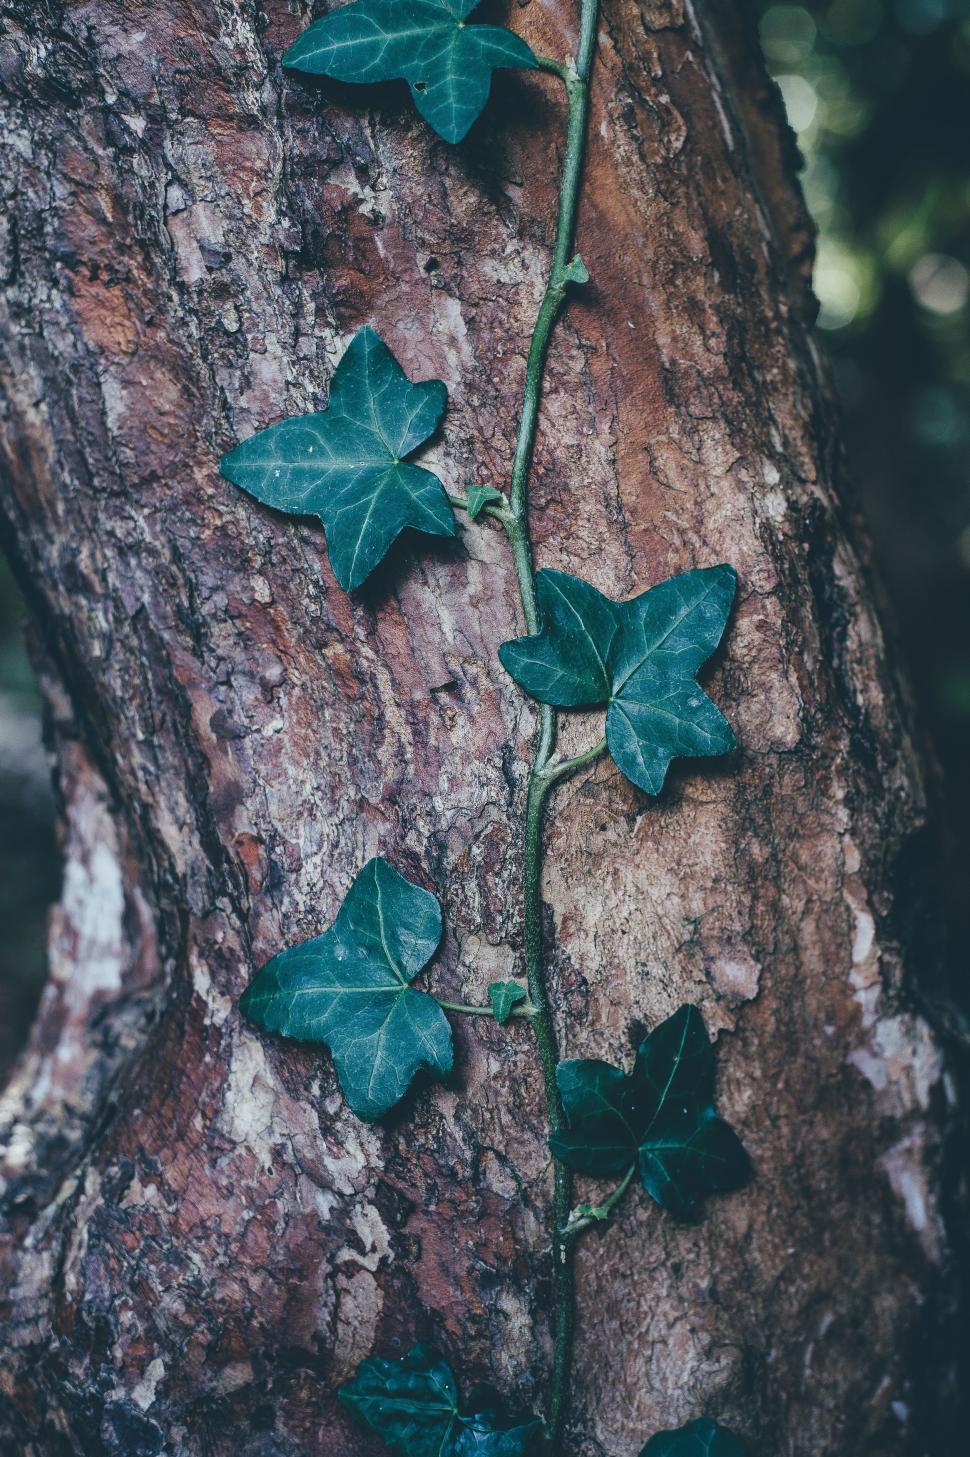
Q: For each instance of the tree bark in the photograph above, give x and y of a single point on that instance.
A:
(200, 1242)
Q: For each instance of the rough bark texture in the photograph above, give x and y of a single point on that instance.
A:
(199, 1241)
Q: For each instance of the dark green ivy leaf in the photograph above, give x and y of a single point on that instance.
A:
(346, 464)
(481, 496)
(480, 1439)
(637, 658)
(660, 1117)
(504, 996)
(349, 989)
(413, 1405)
(700, 1439)
(447, 64)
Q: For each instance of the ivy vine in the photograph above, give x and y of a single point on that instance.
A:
(351, 988)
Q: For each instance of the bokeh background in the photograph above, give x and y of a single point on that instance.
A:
(878, 95)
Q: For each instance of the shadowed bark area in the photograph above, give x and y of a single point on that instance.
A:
(199, 1241)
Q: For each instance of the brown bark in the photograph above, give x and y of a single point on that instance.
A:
(199, 1240)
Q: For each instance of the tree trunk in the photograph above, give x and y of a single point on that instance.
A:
(200, 1241)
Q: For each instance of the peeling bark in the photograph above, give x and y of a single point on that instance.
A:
(198, 1240)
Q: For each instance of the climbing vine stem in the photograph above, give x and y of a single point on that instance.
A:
(544, 774)
(350, 987)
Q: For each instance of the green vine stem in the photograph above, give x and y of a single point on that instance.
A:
(545, 1035)
(387, 920)
(545, 772)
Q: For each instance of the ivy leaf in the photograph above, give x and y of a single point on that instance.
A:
(447, 64)
(638, 659)
(481, 1438)
(481, 496)
(504, 996)
(346, 464)
(703, 1438)
(349, 989)
(660, 1116)
(413, 1405)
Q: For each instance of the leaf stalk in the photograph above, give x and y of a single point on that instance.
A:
(584, 1216)
(558, 769)
(524, 1010)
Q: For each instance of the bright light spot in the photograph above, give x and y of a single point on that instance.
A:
(940, 283)
(787, 33)
(837, 285)
(801, 101)
(841, 108)
(820, 182)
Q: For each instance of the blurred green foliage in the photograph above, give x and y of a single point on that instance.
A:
(17, 683)
(29, 869)
(878, 93)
